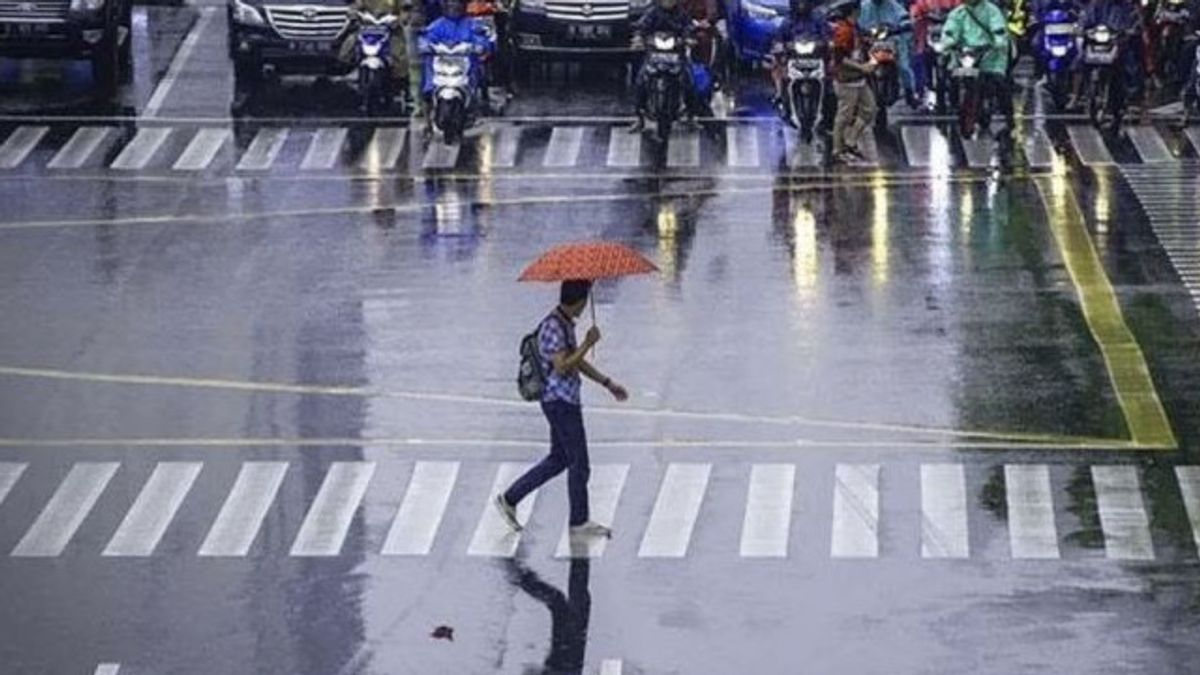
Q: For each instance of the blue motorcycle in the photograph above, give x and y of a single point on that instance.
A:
(1057, 49)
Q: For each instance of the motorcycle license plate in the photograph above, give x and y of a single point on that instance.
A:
(310, 46)
(966, 72)
(1060, 29)
(1100, 56)
(812, 68)
(589, 32)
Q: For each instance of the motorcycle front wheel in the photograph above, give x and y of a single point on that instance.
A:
(968, 108)
(450, 118)
(1098, 93)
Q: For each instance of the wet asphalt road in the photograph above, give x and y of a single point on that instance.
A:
(906, 417)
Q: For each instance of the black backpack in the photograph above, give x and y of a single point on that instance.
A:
(531, 379)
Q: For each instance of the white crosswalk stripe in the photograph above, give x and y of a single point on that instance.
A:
(493, 537)
(416, 523)
(1039, 151)
(683, 149)
(855, 511)
(202, 149)
(917, 141)
(441, 156)
(19, 144)
(151, 514)
(799, 155)
(768, 517)
(108, 669)
(943, 511)
(741, 143)
(1031, 529)
(66, 510)
(676, 508)
(981, 150)
(329, 518)
(10, 473)
(1089, 145)
(263, 150)
(384, 150)
(244, 510)
(82, 144)
(1122, 514)
(565, 146)
(324, 149)
(604, 491)
(624, 149)
(1193, 135)
(1149, 144)
(141, 149)
(1168, 196)
(505, 142)
(610, 667)
(1189, 488)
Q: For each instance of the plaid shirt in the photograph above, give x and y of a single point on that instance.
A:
(552, 339)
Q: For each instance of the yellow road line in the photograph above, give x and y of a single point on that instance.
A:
(371, 392)
(1138, 398)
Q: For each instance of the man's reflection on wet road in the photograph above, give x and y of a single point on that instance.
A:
(568, 614)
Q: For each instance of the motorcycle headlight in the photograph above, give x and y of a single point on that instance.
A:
(758, 11)
(805, 47)
(664, 43)
(1058, 50)
(371, 49)
(968, 61)
(1102, 35)
(247, 15)
(87, 5)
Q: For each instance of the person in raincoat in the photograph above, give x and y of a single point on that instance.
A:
(451, 28)
(403, 10)
(1123, 18)
(981, 24)
(874, 13)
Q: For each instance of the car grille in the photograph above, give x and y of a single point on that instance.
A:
(591, 10)
(31, 11)
(307, 22)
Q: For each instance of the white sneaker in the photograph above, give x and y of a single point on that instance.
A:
(508, 512)
(591, 529)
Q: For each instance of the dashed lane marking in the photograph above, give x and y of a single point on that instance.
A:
(19, 144)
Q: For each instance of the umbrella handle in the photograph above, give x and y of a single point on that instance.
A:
(592, 303)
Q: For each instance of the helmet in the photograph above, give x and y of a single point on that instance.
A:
(454, 9)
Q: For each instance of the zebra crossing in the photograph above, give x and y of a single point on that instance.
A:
(1168, 195)
(742, 146)
(860, 509)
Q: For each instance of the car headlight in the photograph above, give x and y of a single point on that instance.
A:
(758, 11)
(533, 5)
(86, 5)
(639, 5)
(247, 15)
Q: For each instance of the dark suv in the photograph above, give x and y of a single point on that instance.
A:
(97, 30)
(562, 28)
(292, 38)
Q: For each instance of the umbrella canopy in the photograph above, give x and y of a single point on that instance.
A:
(587, 260)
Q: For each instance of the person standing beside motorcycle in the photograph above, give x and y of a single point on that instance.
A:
(980, 24)
(924, 61)
(802, 22)
(855, 100)
(1124, 19)
(451, 28)
(666, 16)
(891, 13)
(403, 11)
(710, 31)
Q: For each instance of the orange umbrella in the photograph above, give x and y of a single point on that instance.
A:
(590, 261)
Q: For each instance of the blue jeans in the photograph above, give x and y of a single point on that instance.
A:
(568, 451)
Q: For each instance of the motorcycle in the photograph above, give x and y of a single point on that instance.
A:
(804, 84)
(1191, 93)
(1057, 49)
(666, 57)
(939, 68)
(885, 82)
(974, 108)
(375, 62)
(1170, 26)
(455, 92)
(1101, 52)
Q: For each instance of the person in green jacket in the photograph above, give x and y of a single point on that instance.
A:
(981, 24)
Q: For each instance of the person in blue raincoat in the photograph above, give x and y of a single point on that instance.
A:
(454, 27)
(873, 13)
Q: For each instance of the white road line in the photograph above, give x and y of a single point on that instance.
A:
(768, 517)
(244, 509)
(683, 148)
(741, 145)
(675, 510)
(869, 148)
(1189, 487)
(1193, 135)
(324, 149)
(610, 667)
(10, 473)
(1031, 529)
(159, 97)
(108, 669)
(19, 144)
(624, 149)
(139, 151)
(1150, 145)
(564, 147)
(382, 153)
(604, 492)
(917, 144)
(944, 511)
(79, 147)
(66, 510)
(152, 511)
(855, 511)
(202, 149)
(263, 150)
(797, 154)
(505, 143)
(420, 514)
(1089, 145)
(1122, 514)
(493, 537)
(332, 512)
(979, 150)
(440, 156)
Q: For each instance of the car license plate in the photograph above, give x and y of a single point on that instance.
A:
(16, 30)
(310, 46)
(587, 32)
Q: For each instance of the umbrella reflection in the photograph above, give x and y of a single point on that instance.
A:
(569, 614)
